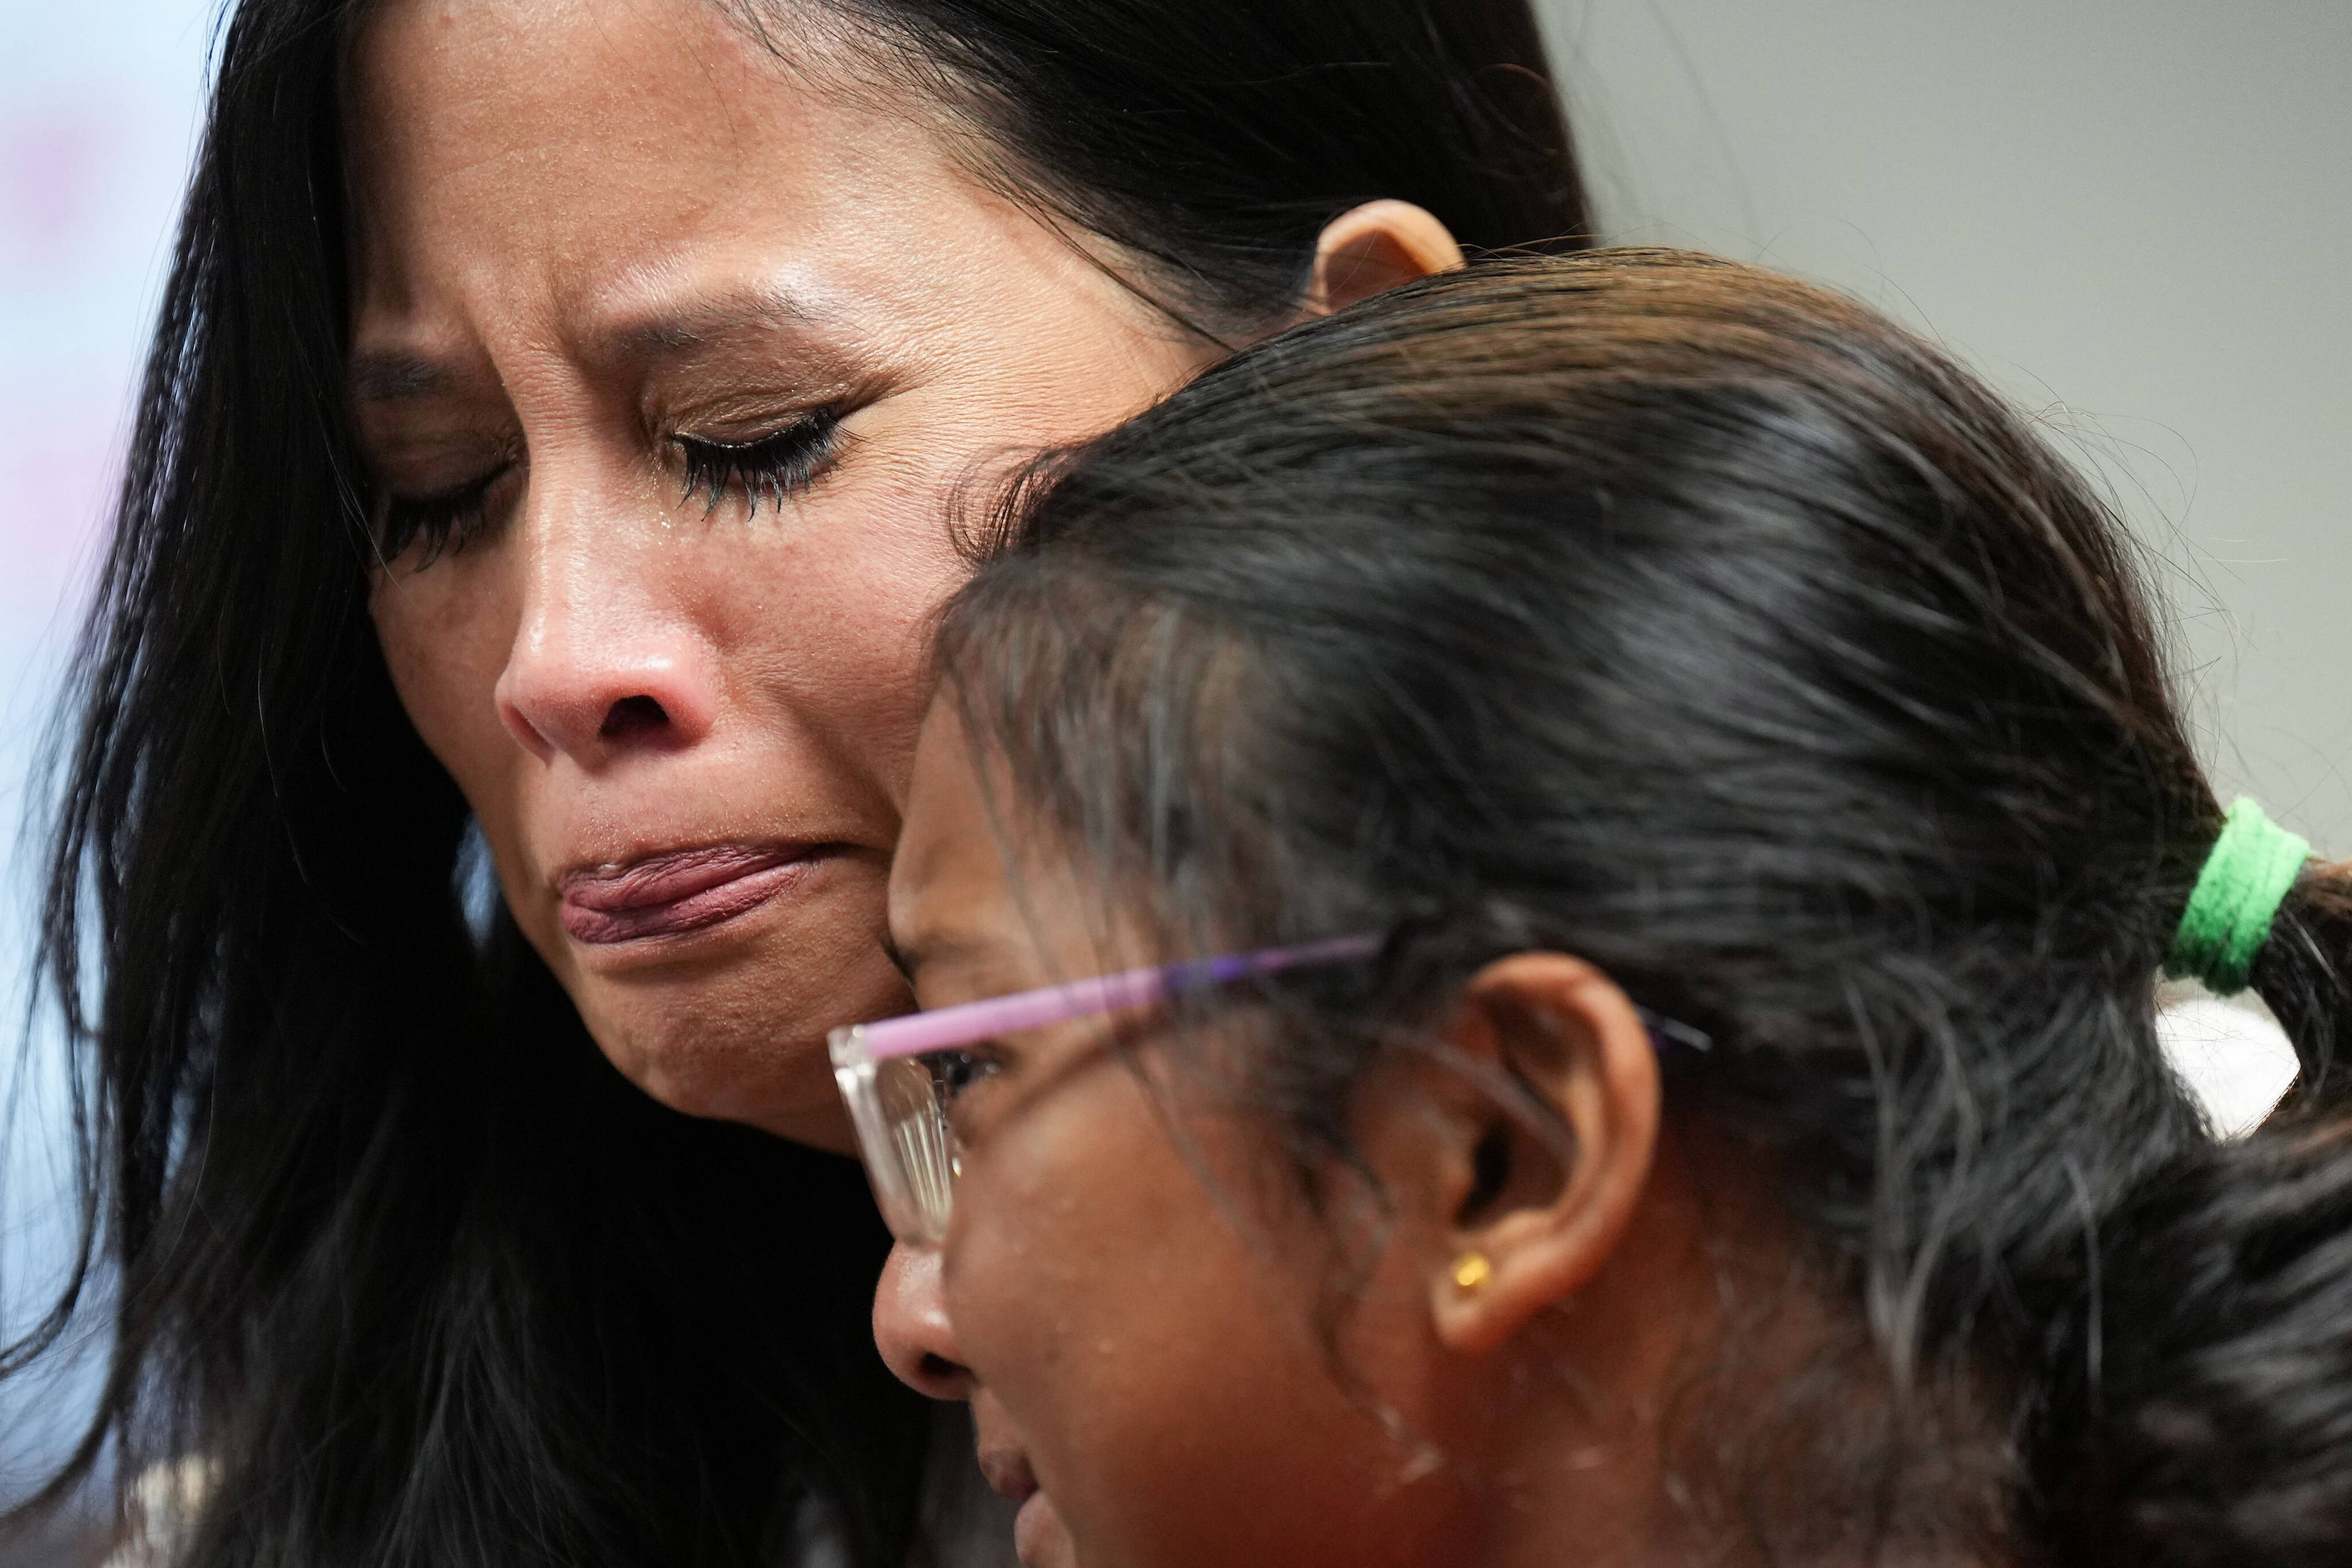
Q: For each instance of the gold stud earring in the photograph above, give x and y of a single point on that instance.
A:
(1471, 1271)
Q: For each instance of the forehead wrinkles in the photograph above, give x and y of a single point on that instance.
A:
(588, 122)
(594, 218)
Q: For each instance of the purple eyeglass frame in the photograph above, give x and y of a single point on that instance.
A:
(860, 1050)
(912, 1184)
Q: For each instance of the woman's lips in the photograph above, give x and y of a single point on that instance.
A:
(676, 892)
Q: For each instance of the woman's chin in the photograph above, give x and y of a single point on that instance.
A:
(726, 1018)
(741, 1043)
(799, 1105)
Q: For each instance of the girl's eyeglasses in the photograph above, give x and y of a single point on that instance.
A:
(899, 1076)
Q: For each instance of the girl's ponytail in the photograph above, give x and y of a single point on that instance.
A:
(2303, 972)
(2213, 1389)
(2209, 1390)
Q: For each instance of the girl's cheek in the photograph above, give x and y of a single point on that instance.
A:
(1038, 1241)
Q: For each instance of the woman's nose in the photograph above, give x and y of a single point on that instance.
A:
(602, 666)
(911, 1327)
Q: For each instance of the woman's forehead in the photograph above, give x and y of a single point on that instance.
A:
(605, 152)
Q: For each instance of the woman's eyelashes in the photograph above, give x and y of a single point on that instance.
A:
(765, 471)
(437, 523)
(771, 469)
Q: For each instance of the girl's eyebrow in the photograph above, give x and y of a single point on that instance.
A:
(929, 947)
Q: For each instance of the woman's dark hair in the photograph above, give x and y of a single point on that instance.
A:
(1709, 625)
(1214, 142)
(387, 1242)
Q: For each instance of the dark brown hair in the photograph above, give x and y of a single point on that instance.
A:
(1709, 625)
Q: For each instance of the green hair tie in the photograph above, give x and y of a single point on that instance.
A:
(2246, 876)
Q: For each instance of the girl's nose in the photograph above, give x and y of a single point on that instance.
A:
(911, 1327)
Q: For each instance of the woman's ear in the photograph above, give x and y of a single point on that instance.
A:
(1541, 1191)
(1373, 247)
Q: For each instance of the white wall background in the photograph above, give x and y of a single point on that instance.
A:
(2136, 213)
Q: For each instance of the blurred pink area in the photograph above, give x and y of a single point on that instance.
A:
(62, 417)
(59, 464)
(53, 166)
(98, 104)
(96, 117)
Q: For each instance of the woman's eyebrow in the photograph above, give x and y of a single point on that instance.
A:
(666, 329)
(656, 329)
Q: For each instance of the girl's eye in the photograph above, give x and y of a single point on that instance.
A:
(771, 469)
(444, 522)
(953, 1072)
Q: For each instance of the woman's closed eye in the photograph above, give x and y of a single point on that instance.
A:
(440, 521)
(766, 470)
(770, 469)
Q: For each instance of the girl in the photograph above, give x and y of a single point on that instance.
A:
(1686, 782)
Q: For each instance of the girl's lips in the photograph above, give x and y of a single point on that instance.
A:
(1038, 1536)
(1037, 1531)
(676, 892)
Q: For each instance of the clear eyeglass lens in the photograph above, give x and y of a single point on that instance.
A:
(916, 1117)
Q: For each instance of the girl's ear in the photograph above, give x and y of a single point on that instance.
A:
(1376, 247)
(1540, 1191)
